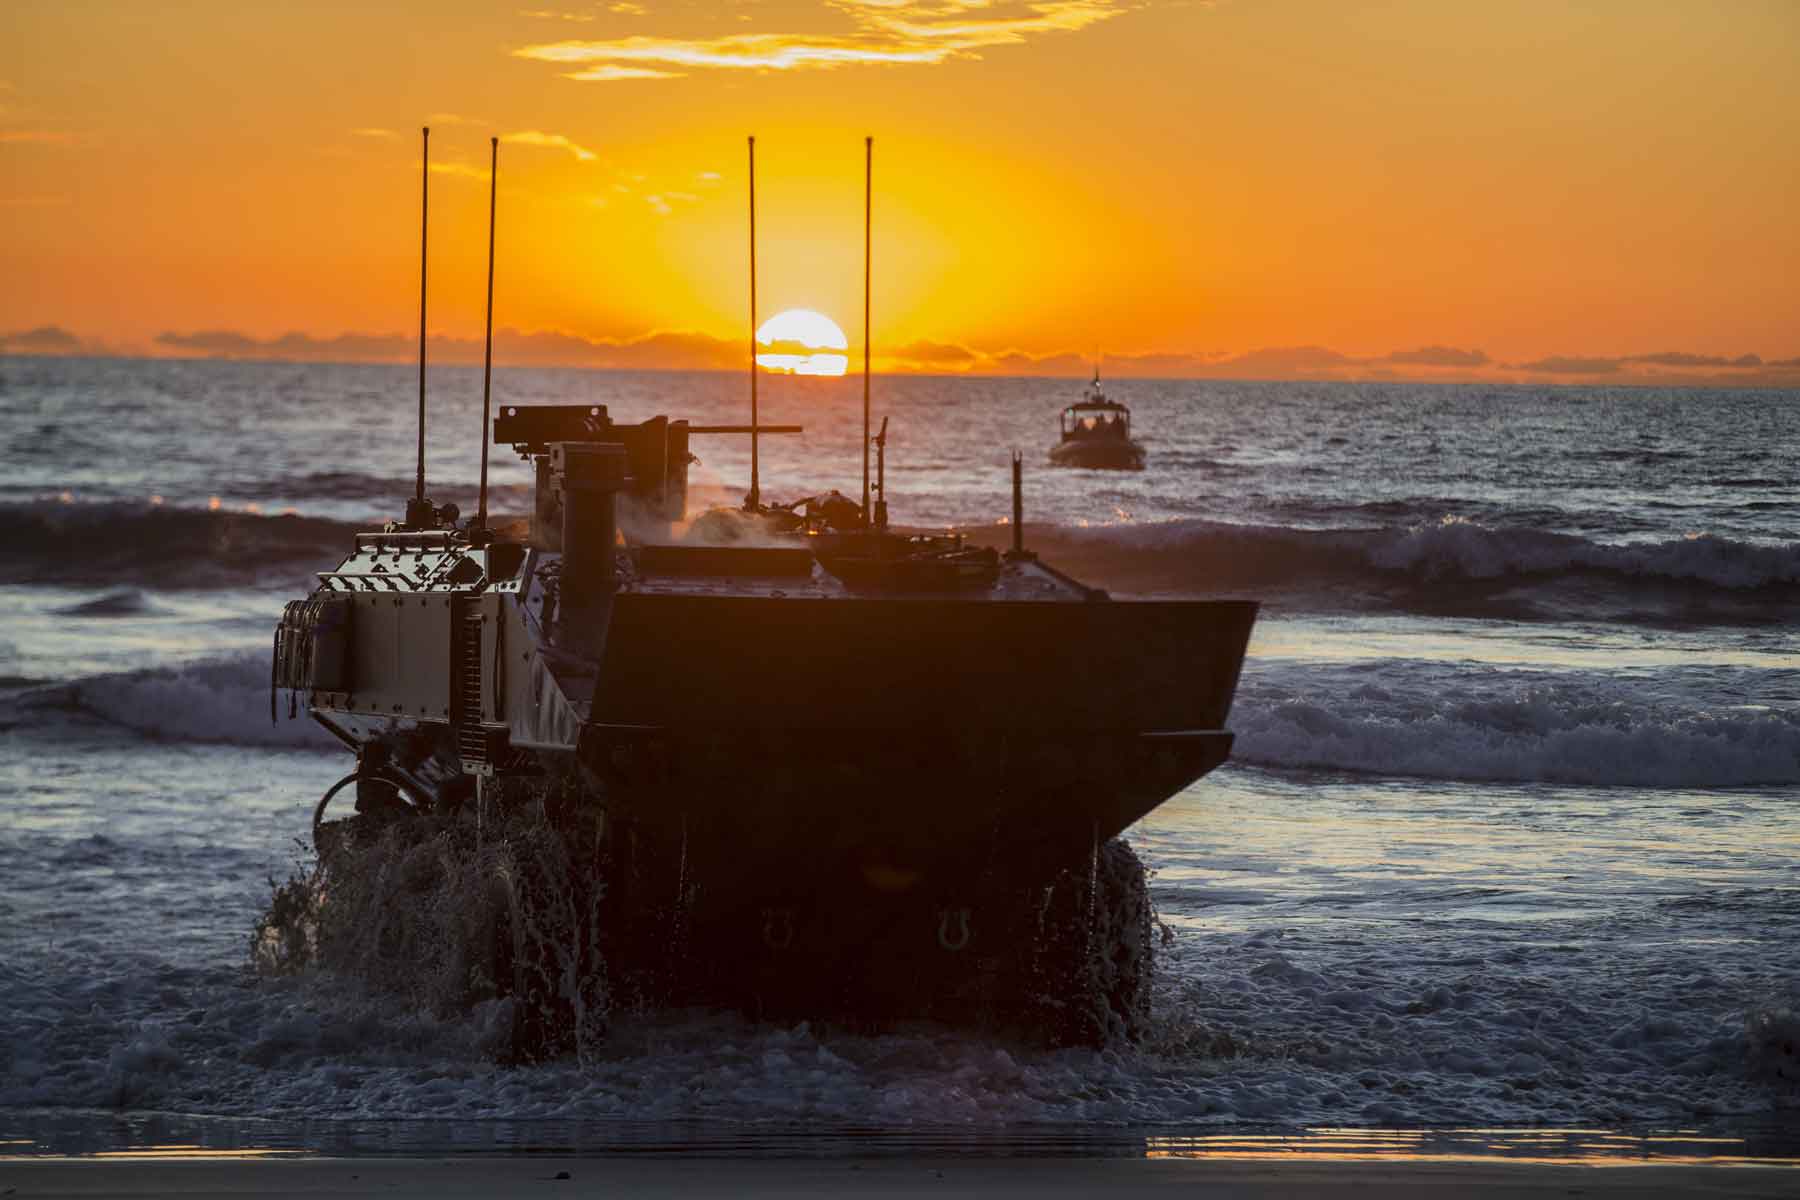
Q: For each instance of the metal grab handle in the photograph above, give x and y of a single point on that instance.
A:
(778, 928)
(961, 939)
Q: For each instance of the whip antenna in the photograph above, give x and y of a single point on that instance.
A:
(868, 204)
(487, 365)
(416, 515)
(754, 499)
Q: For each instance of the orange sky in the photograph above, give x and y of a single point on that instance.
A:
(1537, 181)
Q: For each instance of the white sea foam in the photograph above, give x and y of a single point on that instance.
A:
(219, 700)
(1774, 1034)
(1433, 555)
(1248, 1032)
(1454, 547)
(1393, 717)
(1472, 722)
(1634, 988)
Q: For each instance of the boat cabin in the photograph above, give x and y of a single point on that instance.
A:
(1096, 433)
(1096, 419)
(1094, 416)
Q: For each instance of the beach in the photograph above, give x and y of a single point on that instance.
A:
(988, 1180)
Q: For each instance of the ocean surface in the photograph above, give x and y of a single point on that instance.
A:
(1509, 840)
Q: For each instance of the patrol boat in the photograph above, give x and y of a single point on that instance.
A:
(1096, 433)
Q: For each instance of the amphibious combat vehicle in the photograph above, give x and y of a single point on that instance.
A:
(861, 794)
(783, 759)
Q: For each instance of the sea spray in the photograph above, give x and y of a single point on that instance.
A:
(526, 919)
(491, 910)
(1772, 1033)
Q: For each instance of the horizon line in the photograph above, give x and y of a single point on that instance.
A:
(1490, 375)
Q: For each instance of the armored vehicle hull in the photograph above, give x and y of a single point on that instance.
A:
(768, 787)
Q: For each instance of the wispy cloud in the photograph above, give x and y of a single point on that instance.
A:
(1678, 360)
(38, 137)
(36, 200)
(550, 141)
(49, 340)
(1569, 364)
(623, 8)
(457, 170)
(976, 23)
(941, 356)
(658, 351)
(664, 202)
(385, 134)
(1440, 356)
(738, 51)
(610, 73)
(882, 32)
(700, 351)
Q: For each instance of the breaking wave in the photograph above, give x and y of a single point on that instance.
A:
(221, 700)
(378, 493)
(154, 546)
(1452, 565)
(167, 548)
(121, 602)
(1448, 565)
(1463, 722)
(1459, 549)
(1398, 718)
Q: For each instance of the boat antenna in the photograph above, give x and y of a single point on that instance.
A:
(881, 519)
(418, 513)
(754, 499)
(868, 206)
(1018, 518)
(487, 363)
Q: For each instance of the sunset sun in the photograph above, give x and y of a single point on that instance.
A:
(799, 342)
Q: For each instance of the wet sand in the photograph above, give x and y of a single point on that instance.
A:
(991, 1179)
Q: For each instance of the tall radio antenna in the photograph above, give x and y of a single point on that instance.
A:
(868, 206)
(754, 499)
(415, 515)
(487, 364)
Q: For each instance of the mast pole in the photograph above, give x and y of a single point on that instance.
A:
(754, 499)
(487, 363)
(424, 225)
(868, 207)
(1018, 521)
